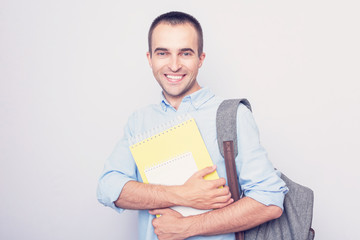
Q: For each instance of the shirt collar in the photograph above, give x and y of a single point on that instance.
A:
(196, 99)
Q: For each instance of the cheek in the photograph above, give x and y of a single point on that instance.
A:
(157, 66)
(192, 66)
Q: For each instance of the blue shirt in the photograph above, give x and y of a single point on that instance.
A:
(257, 176)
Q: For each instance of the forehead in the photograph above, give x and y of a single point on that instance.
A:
(174, 36)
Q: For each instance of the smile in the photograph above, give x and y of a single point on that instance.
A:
(174, 77)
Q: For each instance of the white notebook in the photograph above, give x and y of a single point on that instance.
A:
(174, 172)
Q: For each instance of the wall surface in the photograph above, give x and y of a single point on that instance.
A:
(72, 71)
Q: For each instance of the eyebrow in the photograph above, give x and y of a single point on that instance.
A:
(181, 50)
(160, 49)
(187, 49)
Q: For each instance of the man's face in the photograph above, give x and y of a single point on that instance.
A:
(175, 61)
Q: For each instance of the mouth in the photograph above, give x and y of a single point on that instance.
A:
(174, 78)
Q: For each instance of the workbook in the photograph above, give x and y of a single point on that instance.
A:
(170, 154)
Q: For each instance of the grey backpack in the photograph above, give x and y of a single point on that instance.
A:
(295, 222)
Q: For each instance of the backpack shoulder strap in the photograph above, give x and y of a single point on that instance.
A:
(226, 122)
(227, 141)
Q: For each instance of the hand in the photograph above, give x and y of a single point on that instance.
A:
(170, 225)
(206, 194)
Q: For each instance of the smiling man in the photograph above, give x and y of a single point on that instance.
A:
(175, 56)
(175, 60)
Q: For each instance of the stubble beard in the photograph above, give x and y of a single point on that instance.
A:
(181, 93)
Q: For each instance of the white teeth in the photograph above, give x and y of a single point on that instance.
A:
(174, 77)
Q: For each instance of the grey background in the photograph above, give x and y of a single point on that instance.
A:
(72, 71)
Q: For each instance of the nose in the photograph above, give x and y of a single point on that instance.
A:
(174, 64)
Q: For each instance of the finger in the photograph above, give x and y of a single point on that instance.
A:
(216, 183)
(219, 195)
(223, 199)
(205, 171)
(161, 211)
(221, 205)
(224, 191)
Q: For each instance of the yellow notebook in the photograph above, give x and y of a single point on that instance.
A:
(169, 154)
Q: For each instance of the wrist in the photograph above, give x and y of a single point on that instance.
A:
(193, 225)
(178, 196)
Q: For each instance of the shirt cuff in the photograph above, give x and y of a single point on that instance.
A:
(269, 198)
(109, 189)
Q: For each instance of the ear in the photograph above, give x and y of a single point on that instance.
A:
(201, 58)
(148, 55)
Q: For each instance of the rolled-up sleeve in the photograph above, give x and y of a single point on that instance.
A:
(118, 170)
(258, 178)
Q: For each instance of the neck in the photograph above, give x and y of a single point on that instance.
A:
(175, 101)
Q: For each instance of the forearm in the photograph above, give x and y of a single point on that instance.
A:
(137, 195)
(239, 216)
(195, 192)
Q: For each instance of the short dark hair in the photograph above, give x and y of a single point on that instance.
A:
(175, 18)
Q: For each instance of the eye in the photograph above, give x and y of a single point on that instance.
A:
(186, 54)
(161, 53)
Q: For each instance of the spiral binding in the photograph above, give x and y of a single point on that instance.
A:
(172, 160)
(159, 130)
